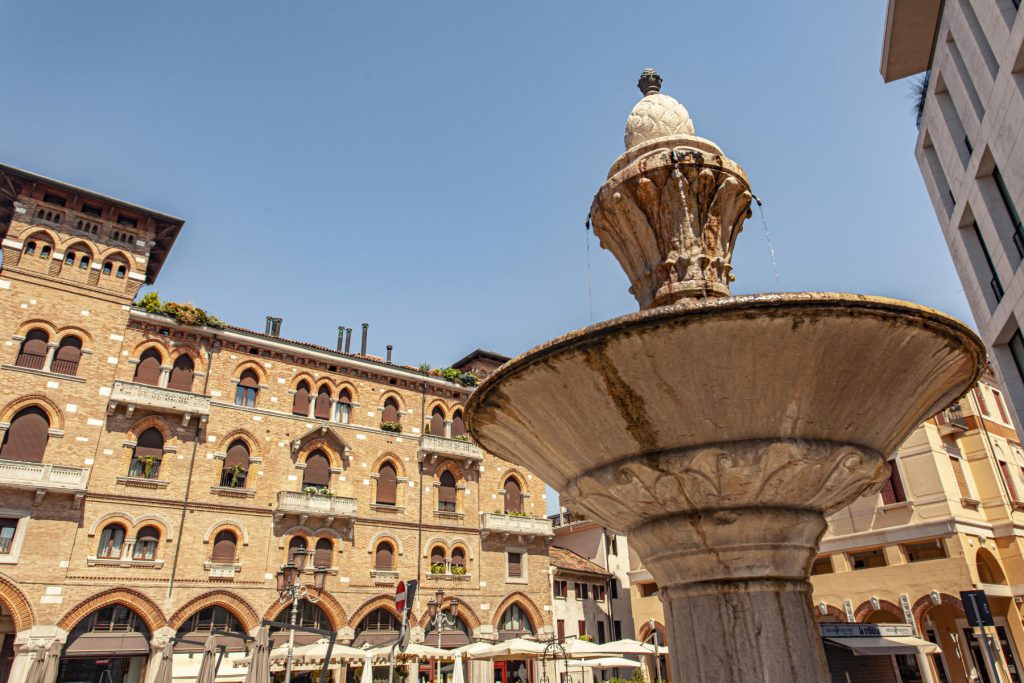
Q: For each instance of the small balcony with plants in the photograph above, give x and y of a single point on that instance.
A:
(447, 571)
(134, 395)
(515, 524)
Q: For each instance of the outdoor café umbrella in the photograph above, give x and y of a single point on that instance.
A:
(516, 647)
(458, 676)
(626, 646)
(317, 652)
(575, 647)
(367, 675)
(163, 671)
(206, 672)
(472, 650)
(259, 658)
(604, 663)
(421, 651)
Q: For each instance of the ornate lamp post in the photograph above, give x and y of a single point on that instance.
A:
(291, 588)
(441, 620)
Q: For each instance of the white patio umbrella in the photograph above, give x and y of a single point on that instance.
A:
(516, 647)
(574, 647)
(317, 652)
(627, 646)
(604, 663)
(457, 675)
(367, 675)
(422, 651)
(472, 650)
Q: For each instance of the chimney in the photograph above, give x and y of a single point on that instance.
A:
(348, 339)
(366, 328)
(390, 348)
(341, 338)
(273, 326)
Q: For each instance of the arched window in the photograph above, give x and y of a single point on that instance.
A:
(378, 627)
(384, 556)
(236, 465)
(148, 369)
(83, 263)
(344, 409)
(437, 558)
(390, 410)
(149, 451)
(297, 551)
(108, 267)
(322, 408)
(300, 404)
(446, 492)
(458, 425)
(44, 251)
(145, 543)
(182, 373)
(317, 472)
(451, 636)
(387, 485)
(30, 248)
(224, 545)
(513, 497)
(458, 557)
(111, 542)
(436, 426)
(198, 627)
(515, 620)
(26, 438)
(33, 350)
(248, 385)
(121, 270)
(69, 352)
(69, 258)
(323, 554)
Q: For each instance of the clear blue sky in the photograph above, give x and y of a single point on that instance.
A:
(428, 167)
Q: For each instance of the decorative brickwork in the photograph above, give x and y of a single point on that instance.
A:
(134, 600)
(865, 609)
(385, 601)
(528, 605)
(17, 603)
(245, 614)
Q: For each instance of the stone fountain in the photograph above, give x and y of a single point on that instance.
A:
(719, 431)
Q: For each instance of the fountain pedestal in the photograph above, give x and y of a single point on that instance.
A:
(718, 431)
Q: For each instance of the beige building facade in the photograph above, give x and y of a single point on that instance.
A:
(158, 467)
(970, 148)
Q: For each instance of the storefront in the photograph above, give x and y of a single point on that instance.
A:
(881, 653)
(111, 645)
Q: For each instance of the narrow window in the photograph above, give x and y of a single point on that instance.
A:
(111, 542)
(513, 497)
(44, 251)
(322, 407)
(300, 404)
(437, 560)
(8, 527)
(69, 258)
(33, 350)
(387, 485)
(458, 425)
(323, 553)
(344, 407)
(994, 283)
(447, 492)
(1011, 209)
(27, 436)
(148, 369)
(560, 589)
(236, 465)
(83, 263)
(982, 404)
(148, 453)
(1011, 490)
(145, 543)
(224, 547)
(384, 556)
(1017, 351)
(182, 373)
(436, 426)
(600, 633)
(30, 248)
(121, 270)
(297, 551)
(318, 471)
(961, 478)
(391, 410)
(69, 353)
(248, 385)
(1001, 406)
(892, 490)
(515, 565)
(108, 266)
(581, 627)
(561, 630)
(459, 559)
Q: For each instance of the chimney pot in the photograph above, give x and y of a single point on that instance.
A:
(390, 349)
(366, 328)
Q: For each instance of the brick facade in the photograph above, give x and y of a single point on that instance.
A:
(55, 574)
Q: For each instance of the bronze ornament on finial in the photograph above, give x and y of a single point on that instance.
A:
(650, 82)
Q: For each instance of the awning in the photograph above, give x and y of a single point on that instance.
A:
(116, 644)
(886, 645)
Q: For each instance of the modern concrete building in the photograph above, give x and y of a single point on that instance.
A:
(971, 152)
(950, 519)
(157, 466)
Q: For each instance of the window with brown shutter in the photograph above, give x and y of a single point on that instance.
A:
(892, 491)
(446, 492)
(236, 465)
(581, 627)
(981, 401)
(561, 630)
(297, 551)
(458, 425)
(69, 352)
(148, 369)
(515, 564)
(147, 456)
(961, 478)
(300, 404)
(437, 555)
(322, 408)
(33, 350)
(224, 547)
(344, 406)
(8, 528)
(26, 438)
(437, 422)
(384, 557)
(1008, 481)
(390, 410)
(387, 485)
(248, 385)
(458, 557)
(318, 471)
(513, 496)
(324, 553)
(181, 373)
(145, 543)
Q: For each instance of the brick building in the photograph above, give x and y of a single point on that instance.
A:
(154, 475)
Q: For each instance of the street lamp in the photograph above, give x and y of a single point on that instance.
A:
(441, 619)
(657, 658)
(291, 589)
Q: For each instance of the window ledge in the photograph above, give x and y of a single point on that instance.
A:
(970, 503)
(516, 579)
(384, 575)
(444, 514)
(232, 492)
(448, 577)
(393, 509)
(44, 373)
(1018, 506)
(903, 504)
(142, 482)
(219, 570)
(93, 561)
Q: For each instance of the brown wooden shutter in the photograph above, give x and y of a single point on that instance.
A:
(249, 379)
(181, 374)
(1010, 488)
(69, 352)
(458, 425)
(384, 558)
(437, 423)
(150, 442)
(447, 491)
(318, 470)
(238, 454)
(300, 405)
(33, 350)
(513, 496)
(26, 438)
(387, 485)
(322, 408)
(148, 369)
(296, 546)
(961, 480)
(224, 548)
(459, 557)
(515, 564)
(561, 630)
(437, 555)
(324, 551)
(390, 410)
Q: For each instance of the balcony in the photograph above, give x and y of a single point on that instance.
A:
(527, 528)
(465, 452)
(159, 399)
(306, 505)
(44, 478)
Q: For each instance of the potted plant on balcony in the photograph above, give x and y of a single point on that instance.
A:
(237, 474)
(316, 490)
(461, 437)
(458, 569)
(148, 462)
(395, 427)
(437, 568)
